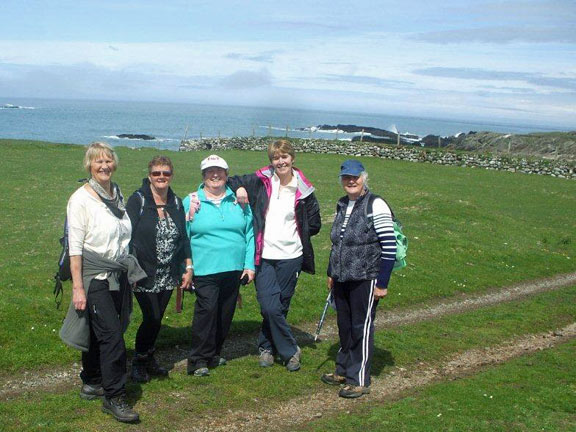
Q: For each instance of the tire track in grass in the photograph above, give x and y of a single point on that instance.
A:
(295, 414)
(239, 346)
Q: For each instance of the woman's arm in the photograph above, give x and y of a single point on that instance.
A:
(77, 220)
(384, 227)
(250, 248)
(313, 211)
(78, 292)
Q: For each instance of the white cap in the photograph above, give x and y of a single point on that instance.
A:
(213, 161)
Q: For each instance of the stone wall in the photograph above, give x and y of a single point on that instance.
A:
(555, 168)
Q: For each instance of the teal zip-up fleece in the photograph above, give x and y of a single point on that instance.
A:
(221, 238)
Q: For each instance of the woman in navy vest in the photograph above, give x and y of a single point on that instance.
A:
(361, 261)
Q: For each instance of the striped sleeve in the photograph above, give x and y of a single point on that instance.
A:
(384, 227)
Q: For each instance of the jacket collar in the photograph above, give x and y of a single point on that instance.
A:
(303, 186)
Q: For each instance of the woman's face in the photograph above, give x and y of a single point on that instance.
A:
(160, 177)
(353, 185)
(282, 163)
(215, 177)
(102, 167)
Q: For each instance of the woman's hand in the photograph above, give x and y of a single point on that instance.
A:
(242, 196)
(249, 273)
(187, 279)
(380, 293)
(330, 283)
(79, 297)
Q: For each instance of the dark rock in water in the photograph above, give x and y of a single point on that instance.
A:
(137, 137)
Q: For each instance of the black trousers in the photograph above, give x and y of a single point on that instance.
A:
(153, 306)
(216, 296)
(356, 310)
(105, 361)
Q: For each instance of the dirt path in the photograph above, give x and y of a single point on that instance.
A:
(244, 345)
(291, 415)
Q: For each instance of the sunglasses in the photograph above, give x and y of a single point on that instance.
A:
(164, 173)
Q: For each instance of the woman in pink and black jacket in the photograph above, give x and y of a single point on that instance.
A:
(286, 214)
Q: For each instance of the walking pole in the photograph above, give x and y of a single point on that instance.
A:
(323, 317)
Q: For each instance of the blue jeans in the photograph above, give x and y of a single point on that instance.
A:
(275, 284)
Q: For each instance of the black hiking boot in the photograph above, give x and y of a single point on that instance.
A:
(91, 391)
(153, 368)
(139, 373)
(118, 408)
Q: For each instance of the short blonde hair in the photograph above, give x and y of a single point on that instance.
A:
(280, 146)
(95, 149)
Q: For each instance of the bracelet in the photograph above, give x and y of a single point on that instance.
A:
(189, 267)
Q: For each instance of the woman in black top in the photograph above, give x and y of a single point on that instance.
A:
(161, 245)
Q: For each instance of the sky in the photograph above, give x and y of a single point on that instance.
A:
(502, 61)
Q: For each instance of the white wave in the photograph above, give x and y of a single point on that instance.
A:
(115, 137)
(14, 107)
(392, 128)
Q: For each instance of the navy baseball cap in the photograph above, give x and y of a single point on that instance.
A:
(351, 167)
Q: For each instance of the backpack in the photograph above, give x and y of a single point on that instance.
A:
(401, 239)
(63, 273)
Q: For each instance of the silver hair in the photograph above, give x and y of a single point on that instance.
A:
(363, 174)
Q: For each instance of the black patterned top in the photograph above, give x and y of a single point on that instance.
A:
(167, 235)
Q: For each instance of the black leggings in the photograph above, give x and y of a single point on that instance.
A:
(153, 306)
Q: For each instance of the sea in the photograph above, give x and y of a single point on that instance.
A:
(84, 121)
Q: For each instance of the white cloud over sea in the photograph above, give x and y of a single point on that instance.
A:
(501, 61)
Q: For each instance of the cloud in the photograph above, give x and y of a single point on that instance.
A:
(500, 35)
(368, 80)
(245, 79)
(263, 57)
(537, 79)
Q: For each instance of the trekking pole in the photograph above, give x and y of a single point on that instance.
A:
(323, 317)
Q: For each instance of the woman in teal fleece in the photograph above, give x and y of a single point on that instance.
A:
(222, 243)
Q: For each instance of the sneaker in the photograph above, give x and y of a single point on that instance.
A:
(333, 379)
(201, 372)
(352, 392)
(91, 391)
(294, 363)
(266, 358)
(118, 408)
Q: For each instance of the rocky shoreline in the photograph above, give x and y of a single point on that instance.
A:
(502, 162)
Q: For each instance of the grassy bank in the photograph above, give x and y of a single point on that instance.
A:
(469, 230)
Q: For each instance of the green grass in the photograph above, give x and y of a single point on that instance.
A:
(532, 393)
(242, 385)
(469, 230)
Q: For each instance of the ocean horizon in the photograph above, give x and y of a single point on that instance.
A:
(85, 121)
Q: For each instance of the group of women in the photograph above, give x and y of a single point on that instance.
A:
(232, 230)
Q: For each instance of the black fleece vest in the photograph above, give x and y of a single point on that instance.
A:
(356, 255)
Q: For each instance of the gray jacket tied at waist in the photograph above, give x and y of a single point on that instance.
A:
(75, 330)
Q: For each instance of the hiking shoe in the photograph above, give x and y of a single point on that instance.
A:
(118, 408)
(91, 391)
(352, 392)
(217, 361)
(294, 363)
(201, 372)
(333, 379)
(153, 368)
(266, 358)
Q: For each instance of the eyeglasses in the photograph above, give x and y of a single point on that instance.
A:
(164, 173)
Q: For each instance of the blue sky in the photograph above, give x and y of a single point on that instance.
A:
(506, 61)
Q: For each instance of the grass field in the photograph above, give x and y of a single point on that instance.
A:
(469, 230)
